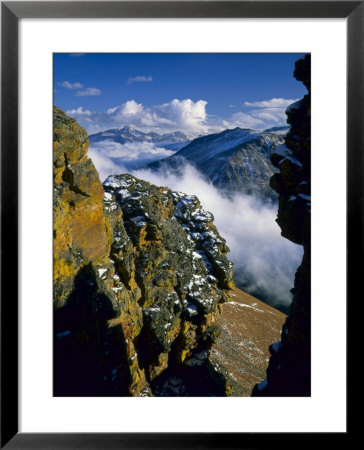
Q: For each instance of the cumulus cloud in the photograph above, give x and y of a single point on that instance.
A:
(140, 79)
(192, 115)
(128, 109)
(88, 91)
(265, 262)
(68, 85)
(113, 158)
(185, 115)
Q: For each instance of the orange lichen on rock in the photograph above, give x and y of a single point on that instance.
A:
(82, 232)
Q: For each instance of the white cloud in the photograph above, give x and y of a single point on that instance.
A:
(131, 108)
(259, 119)
(88, 91)
(68, 85)
(266, 114)
(185, 115)
(272, 103)
(243, 120)
(140, 79)
(270, 115)
(77, 85)
(79, 112)
(104, 164)
(113, 158)
(265, 262)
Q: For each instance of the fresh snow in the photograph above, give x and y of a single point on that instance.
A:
(244, 305)
(101, 272)
(139, 221)
(192, 310)
(124, 193)
(114, 182)
(111, 184)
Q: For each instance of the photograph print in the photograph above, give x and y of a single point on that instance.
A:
(181, 224)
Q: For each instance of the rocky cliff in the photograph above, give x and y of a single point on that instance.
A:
(289, 370)
(140, 273)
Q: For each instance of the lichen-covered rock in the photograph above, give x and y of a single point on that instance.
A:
(81, 231)
(95, 300)
(181, 269)
(289, 370)
(139, 276)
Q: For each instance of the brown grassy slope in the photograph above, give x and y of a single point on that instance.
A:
(248, 327)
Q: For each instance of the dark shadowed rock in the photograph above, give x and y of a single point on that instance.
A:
(289, 370)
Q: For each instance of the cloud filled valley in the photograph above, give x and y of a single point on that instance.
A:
(112, 157)
(265, 262)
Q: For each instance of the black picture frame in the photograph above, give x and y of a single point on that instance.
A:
(11, 12)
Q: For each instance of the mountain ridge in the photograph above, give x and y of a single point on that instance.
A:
(128, 133)
(234, 160)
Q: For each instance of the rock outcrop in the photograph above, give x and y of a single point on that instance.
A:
(289, 370)
(81, 231)
(140, 273)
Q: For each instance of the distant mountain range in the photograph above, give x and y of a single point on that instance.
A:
(236, 160)
(171, 141)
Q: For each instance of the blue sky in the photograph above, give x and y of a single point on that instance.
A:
(195, 93)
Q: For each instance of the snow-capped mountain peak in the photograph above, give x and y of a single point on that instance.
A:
(235, 159)
(128, 133)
